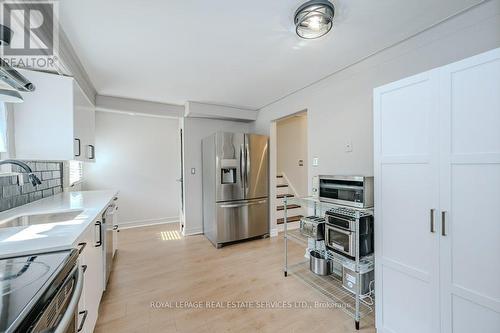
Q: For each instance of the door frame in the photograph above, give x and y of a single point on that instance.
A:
(273, 161)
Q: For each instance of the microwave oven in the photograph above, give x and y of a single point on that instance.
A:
(354, 191)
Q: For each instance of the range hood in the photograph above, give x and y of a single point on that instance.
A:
(11, 81)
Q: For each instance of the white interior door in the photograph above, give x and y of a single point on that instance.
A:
(470, 195)
(406, 192)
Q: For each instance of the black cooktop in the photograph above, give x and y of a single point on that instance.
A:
(23, 281)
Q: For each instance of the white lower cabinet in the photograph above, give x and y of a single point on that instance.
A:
(437, 188)
(92, 258)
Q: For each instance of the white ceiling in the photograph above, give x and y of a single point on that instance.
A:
(231, 52)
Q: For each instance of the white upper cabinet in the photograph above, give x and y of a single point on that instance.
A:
(55, 122)
(437, 187)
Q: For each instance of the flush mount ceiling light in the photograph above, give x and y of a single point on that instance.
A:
(314, 19)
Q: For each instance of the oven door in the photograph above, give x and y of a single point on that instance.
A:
(340, 240)
(341, 191)
(61, 314)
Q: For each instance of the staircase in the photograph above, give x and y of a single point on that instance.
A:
(294, 212)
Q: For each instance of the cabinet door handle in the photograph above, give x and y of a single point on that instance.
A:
(432, 220)
(92, 150)
(83, 245)
(443, 223)
(99, 242)
(84, 318)
(79, 147)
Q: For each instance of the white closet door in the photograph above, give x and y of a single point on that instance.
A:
(470, 195)
(406, 189)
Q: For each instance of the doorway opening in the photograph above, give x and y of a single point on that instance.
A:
(291, 167)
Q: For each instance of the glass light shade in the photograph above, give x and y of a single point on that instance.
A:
(314, 19)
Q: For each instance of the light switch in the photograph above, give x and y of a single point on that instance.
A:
(315, 161)
(193, 171)
(348, 146)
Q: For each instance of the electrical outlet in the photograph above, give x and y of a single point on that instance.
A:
(315, 161)
(193, 171)
(348, 147)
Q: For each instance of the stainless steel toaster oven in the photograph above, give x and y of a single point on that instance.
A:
(354, 191)
(313, 227)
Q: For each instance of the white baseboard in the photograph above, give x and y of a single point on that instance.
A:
(192, 232)
(150, 222)
(273, 232)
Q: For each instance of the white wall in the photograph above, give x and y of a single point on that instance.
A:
(340, 106)
(291, 135)
(195, 129)
(139, 156)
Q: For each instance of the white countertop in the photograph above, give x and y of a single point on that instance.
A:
(38, 238)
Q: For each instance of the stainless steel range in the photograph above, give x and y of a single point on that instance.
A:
(40, 293)
(235, 187)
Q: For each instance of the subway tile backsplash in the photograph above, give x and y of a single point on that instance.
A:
(13, 195)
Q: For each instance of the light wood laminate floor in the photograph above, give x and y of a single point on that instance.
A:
(156, 264)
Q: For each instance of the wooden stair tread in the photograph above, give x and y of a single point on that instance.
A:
(282, 185)
(289, 219)
(281, 196)
(282, 207)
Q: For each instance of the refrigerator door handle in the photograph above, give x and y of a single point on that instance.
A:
(241, 165)
(244, 204)
(247, 166)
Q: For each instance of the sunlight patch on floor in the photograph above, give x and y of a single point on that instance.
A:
(170, 235)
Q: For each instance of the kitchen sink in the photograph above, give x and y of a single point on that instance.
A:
(26, 220)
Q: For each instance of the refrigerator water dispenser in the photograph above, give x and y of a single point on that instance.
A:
(228, 176)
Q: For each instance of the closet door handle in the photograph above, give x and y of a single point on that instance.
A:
(443, 223)
(432, 220)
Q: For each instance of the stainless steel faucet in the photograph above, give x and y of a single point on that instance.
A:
(31, 176)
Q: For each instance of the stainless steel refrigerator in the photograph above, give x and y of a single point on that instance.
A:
(235, 187)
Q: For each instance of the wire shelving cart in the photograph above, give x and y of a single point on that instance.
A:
(354, 304)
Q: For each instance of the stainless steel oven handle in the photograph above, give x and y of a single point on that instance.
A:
(73, 303)
(344, 187)
(337, 245)
(337, 229)
(331, 217)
